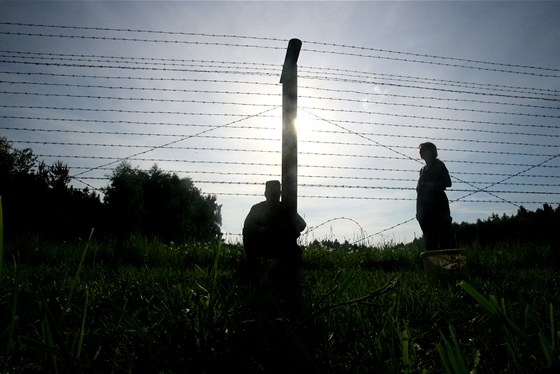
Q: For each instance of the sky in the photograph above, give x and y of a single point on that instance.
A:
(194, 87)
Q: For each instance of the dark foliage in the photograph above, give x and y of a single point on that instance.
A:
(160, 204)
(525, 226)
(38, 200)
(538, 227)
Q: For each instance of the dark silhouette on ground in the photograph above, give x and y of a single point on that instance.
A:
(432, 205)
(271, 232)
(274, 258)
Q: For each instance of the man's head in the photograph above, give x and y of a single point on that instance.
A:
(272, 191)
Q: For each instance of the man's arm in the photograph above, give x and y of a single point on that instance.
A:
(444, 179)
(251, 223)
(299, 223)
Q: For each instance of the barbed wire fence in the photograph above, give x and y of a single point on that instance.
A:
(208, 106)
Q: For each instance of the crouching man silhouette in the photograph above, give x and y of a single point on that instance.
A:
(270, 231)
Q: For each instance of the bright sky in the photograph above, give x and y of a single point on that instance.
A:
(194, 87)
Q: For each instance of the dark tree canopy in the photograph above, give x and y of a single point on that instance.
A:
(160, 204)
(539, 226)
(38, 199)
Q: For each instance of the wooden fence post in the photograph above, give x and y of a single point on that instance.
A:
(289, 131)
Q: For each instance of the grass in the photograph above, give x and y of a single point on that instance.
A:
(156, 307)
(1, 239)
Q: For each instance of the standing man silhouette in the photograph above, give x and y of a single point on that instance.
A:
(432, 205)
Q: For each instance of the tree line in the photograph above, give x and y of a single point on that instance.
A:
(38, 199)
(539, 227)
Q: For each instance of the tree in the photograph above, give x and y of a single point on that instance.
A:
(14, 162)
(20, 189)
(37, 198)
(125, 201)
(58, 176)
(160, 204)
(526, 226)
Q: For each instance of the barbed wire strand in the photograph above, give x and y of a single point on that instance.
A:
(405, 156)
(274, 70)
(414, 60)
(407, 60)
(174, 142)
(155, 134)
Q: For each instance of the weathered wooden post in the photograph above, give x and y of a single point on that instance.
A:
(289, 131)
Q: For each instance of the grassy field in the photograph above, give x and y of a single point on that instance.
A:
(160, 308)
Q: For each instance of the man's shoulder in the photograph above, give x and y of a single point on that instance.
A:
(440, 164)
(259, 207)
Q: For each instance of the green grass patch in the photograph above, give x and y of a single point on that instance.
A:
(149, 306)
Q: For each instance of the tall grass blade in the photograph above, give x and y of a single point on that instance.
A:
(451, 355)
(47, 333)
(1, 239)
(81, 333)
(405, 340)
(515, 337)
(547, 351)
(490, 306)
(134, 324)
(553, 333)
(9, 332)
(549, 348)
(498, 310)
(50, 350)
(76, 279)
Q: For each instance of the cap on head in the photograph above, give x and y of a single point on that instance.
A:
(429, 146)
(272, 187)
